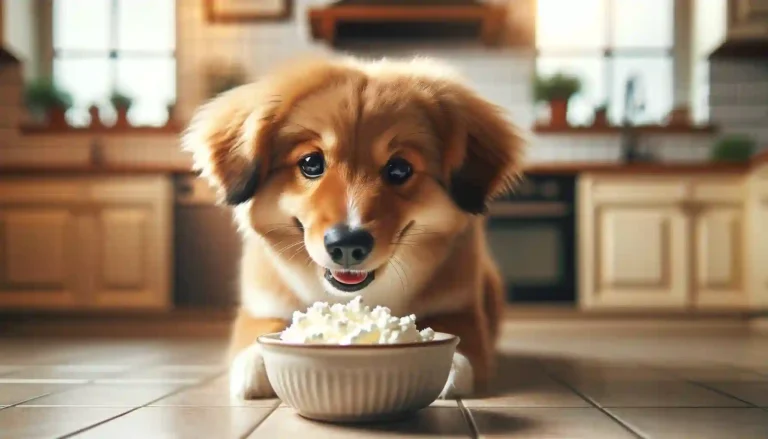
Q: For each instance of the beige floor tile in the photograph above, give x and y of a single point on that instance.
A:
(5, 370)
(706, 374)
(528, 392)
(696, 423)
(752, 392)
(434, 422)
(182, 423)
(654, 394)
(11, 394)
(50, 422)
(173, 372)
(571, 423)
(66, 372)
(212, 394)
(102, 395)
(577, 371)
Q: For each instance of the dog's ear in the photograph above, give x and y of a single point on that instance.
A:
(229, 138)
(484, 151)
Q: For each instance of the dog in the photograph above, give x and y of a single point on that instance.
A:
(361, 177)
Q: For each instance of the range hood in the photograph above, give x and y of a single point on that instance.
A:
(407, 21)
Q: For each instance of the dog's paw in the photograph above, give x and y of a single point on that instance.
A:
(460, 380)
(248, 376)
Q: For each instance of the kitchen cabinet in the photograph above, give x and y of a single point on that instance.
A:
(662, 242)
(81, 243)
(757, 207)
(748, 18)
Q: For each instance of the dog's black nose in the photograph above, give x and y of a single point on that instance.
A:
(347, 246)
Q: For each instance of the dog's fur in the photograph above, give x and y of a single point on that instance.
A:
(430, 256)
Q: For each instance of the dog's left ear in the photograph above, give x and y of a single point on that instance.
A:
(484, 154)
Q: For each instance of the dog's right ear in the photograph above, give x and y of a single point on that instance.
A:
(229, 138)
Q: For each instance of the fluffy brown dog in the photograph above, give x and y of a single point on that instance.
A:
(361, 178)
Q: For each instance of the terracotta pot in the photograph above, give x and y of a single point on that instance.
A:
(679, 116)
(57, 118)
(122, 118)
(601, 118)
(171, 111)
(95, 114)
(558, 113)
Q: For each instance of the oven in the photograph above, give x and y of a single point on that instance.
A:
(531, 234)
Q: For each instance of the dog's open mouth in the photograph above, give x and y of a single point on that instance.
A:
(349, 281)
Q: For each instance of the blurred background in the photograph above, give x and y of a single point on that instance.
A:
(654, 113)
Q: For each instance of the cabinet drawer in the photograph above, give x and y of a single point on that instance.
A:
(637, 190)
(36, 191)
(129, 188)
(720, 191)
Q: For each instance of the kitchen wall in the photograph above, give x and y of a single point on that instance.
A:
(501, 75)
(739, 97)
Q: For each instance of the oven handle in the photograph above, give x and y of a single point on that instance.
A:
(507, 209)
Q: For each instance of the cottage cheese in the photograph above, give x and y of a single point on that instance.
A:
(353, 323)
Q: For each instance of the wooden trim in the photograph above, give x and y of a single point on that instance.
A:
(323, 21)
(44, 130)
(213, 17)
(617, 130)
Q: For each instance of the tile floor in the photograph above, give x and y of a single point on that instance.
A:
(556, 381)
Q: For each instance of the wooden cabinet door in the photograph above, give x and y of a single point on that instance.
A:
(40, 257)
(758, 249)
(719, 274)
(641, 256)
(126, 258)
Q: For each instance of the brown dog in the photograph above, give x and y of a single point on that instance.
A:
(361, 178)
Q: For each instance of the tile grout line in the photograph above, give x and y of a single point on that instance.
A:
(726, 394)
(250, 431)
(467, 415)
(594, 404)
(119, 415)
(55, 392)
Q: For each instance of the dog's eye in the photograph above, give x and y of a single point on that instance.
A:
(312, 165)
(397, 171)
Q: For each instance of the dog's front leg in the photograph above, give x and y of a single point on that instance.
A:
(247, 375)
(473, 359)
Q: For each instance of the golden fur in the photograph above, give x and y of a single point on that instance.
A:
(430, 254)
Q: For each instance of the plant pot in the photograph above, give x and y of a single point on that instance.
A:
(601, 119)
(679, 116)
(95, 114)
(171, 113)
(56, 118)
(122, 118)
(558, 116)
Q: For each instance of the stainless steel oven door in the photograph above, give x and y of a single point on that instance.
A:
(533, 244)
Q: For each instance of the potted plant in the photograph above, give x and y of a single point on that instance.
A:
(601, 116)
(733, 148)
(221, 79)
(557, 90)
(122, 104)
(95, 114)
(44, 98)
(679, 116)
(171, 107)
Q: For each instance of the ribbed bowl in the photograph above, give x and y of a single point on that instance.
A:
(360, 382)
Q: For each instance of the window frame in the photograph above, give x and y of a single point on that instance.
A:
(608, 52)
(113, 53)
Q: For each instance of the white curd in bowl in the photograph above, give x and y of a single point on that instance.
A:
(353, 324)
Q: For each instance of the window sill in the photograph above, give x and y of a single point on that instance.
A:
(617, 130)
(117, 131)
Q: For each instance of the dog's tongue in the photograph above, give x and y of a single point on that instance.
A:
(349, 278)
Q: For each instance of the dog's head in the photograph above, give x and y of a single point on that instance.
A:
(358, 176)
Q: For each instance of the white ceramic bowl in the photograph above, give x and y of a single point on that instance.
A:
(360, 382)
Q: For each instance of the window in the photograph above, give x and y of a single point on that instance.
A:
(709, 24)
(604, 43)
(101, 46)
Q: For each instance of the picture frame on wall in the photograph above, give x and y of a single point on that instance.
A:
(242, 11)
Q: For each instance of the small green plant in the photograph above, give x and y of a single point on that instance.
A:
(120, 100)
(222, 78)
(43, 94)
(602, 108)
(558, 87)
(733, 148)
